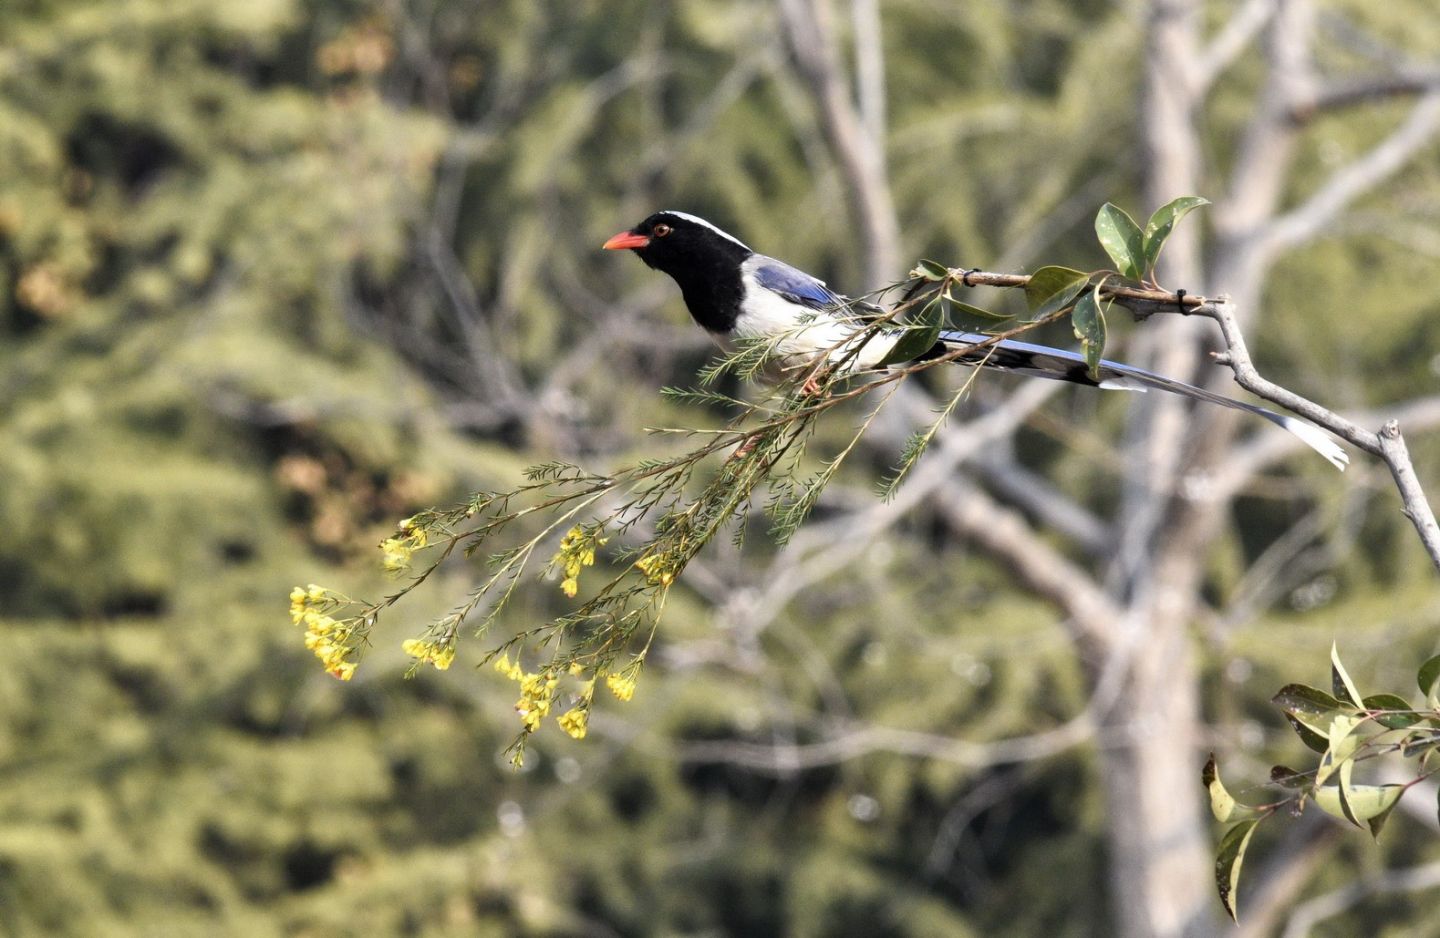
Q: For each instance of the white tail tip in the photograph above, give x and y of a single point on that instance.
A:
(1318, 440)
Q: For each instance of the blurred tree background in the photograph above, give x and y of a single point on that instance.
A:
(275, 274)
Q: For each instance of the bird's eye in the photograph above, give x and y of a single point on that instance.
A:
(660, 230)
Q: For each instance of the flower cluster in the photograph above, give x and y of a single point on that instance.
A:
(328, 637)
(621, 685)
(439, 653)
(659, 570)
(573, 721)
(538, 690)
(577, 550)
(398, 549)
(537, 693)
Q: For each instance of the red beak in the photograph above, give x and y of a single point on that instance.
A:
(626, 239)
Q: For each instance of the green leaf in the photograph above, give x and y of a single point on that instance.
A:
(1342, 745)
(1340, 682)
(1051, 289)
(1289, 778)
(976, 311)
(1417, 744)
(1088, 320)
(1377, 823)
(1429, 680)
(1302, 699)
(1312, 738)
(1122, 240)
(1399, 717)
(930, 270)
(1163, 221)
(1346, 772)
(919, 335)
(1222, 804)
(1361, 801)
(1228, 858)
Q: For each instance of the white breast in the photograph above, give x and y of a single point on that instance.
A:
(799, 333)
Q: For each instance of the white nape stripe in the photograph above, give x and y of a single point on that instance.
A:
(702, 222)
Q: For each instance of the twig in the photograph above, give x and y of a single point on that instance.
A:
(1140, 300)
(1315, 911)
(1388, 444)
(1340, 94)
(1232, 39)
(1305, 222)
(1416, 508)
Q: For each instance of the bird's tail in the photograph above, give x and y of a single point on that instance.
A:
(1042, 361)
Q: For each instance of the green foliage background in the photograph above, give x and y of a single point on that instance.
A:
(230, 242)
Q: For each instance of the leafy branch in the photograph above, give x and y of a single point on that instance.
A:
(1345, 729)
(644, 523)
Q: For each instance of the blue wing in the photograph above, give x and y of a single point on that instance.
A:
(795, 285)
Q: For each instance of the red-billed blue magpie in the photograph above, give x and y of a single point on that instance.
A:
(734, 293)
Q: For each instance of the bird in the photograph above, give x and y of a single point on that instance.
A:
(736, 293)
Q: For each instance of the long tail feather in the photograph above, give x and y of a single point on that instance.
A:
(1042, 361)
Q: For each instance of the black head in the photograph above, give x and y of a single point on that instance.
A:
(673, 241)
(702, 259)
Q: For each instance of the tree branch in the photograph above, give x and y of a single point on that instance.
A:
(1354, 91)
(1309, 914)
(808, 31)
(850, 742)
(1388, 444)
(1232, 39)
(1308, 220)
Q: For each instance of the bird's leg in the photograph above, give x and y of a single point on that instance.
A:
(812, 386)
(746, 447)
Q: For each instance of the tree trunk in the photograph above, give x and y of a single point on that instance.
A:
(1160, 863)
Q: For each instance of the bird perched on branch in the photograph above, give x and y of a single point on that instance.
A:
(733, 293)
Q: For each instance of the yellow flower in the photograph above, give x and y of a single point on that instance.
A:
(302, 598)
(531, 712)
(657, 571)
(298, 601)
(537, 693)
(344, 670)
(573, 722)
(577, 551)
(440, 654)
(533, 685)
(620, 685)
(576, 668)
(331, 655)
(397, 553)
(505, 666)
